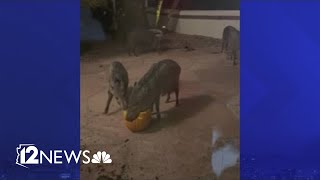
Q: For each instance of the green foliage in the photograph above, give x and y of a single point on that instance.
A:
(158, 13)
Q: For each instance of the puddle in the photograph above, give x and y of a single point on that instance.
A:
(223, 157)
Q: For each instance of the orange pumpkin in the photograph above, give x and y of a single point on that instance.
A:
(139, 124)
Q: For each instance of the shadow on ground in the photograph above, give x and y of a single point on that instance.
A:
(188, 107)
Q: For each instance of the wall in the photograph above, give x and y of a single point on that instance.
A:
(198, 22)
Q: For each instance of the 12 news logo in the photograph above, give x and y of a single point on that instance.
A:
(29, 154)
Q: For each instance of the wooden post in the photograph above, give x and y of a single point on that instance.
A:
(171, 22)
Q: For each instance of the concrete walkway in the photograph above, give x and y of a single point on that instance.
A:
(179, 146)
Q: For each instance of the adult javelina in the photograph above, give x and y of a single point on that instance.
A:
(118, 85)
(225, 36)
(162, 78)
(231, 42)
(140, 38)
(234, 45)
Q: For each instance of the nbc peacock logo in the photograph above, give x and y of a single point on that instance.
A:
(101, 157)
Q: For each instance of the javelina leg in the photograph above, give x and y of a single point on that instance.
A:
(124, 104)
(234, 61)
(229, 56)
(129, 49)
(168, 98)
(118, 101)
(223, 45)
(158, 46)
(159, 49)
(234, 57)
(177, 96)
(110, 96)
(135, 51)
(157, 103)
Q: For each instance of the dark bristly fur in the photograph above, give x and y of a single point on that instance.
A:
(118, 85)
(231, 42)
(162, 78)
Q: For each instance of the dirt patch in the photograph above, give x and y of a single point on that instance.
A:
(178, 41)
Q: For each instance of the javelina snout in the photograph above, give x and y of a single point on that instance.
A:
(231, 42)
(143, 39)
(162, 78)
(118, 85)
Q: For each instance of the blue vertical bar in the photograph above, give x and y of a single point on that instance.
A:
(40, 86)
(280, 85)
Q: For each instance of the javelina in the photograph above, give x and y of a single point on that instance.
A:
(234, 45)
(118, 85)
(162, 78)
(140, 38)
(225, 36)
(231, 42)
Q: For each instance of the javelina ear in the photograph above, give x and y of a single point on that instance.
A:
(135, 83)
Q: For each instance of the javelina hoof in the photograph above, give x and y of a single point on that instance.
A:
(168, 98)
